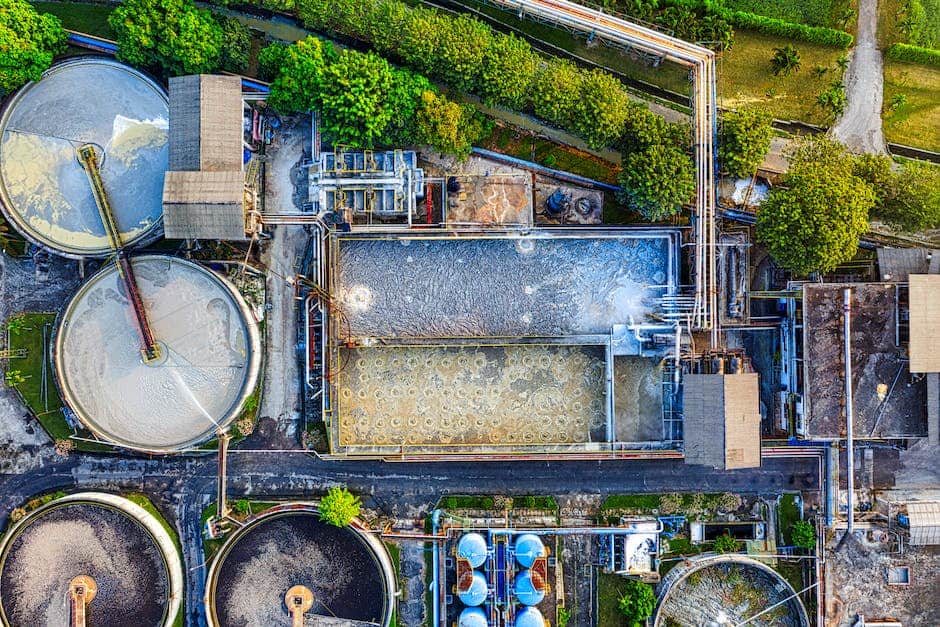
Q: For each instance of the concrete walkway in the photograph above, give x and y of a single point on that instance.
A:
(859, 128)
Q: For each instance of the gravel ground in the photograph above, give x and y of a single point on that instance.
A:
(859, 128)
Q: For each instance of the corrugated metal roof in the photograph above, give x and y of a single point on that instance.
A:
(205, 123)
(924, 519)
(896, 264)
(924, 346)
(722, 420)
(204, 205)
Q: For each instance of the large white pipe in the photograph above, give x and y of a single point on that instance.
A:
(849, 444)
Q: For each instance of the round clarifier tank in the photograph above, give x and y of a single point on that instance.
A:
(44, 191)
(472, 617)
(121, 549)
(349, 572)
(209, 356)
(528, 547)
(472, 547)
(476, 593)
(529, 617)
(525, 590)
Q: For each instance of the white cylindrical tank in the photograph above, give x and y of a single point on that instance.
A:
(476, 593)
(525, 589)
(528, 547)
(472, 617)
(472, 547)
(529, 617)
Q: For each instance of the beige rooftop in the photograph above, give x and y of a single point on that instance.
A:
(722, 420)
(924, 519)
(925, 322)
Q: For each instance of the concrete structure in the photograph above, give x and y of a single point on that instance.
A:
(348, 571)
(209, 346)
(116, 543)
(206, 194)
(43, 190)
(924, 346)
(722, 420)
(924, 521)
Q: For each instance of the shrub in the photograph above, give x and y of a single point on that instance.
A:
(914, 54)
(728, 502)
(28, 43)
(785, 61)
(339, 507)
(670, 503)
(744, 139)
(447, 126)
(790, 30)
(657, 181)
(637, 602)
(803, 534)
(726, 544)
(833, 99)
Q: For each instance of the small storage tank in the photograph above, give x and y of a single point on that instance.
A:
(476, 593)
(528, 547)
(472, 617)
(529, 617)
(525, 589)
(472, 547)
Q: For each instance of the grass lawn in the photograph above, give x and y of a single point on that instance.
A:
(85, 18)
(917, 122)
(143, 501)
(788, 512)
(744, 77)
(394, 551)
(631, 501)
(609, 590)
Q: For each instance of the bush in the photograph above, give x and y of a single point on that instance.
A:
(670, 503)
(637, 602)
(744, 139)
(726, 544)
(790, 30)
(448, 127)
(803, 534)
(339, 507)
(28, 43)
(914, 54)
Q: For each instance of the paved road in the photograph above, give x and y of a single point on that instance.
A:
(859, 128)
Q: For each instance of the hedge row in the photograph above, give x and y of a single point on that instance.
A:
(789, 30)
(914, 54)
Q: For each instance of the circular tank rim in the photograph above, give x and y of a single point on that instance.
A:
(254, 360)
(684, 571)
(172, 561)
(375, 546)
(13, 217)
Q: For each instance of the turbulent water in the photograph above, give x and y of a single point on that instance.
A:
(498, 287)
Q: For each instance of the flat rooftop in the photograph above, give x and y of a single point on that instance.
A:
(887, 402)
(551, 284)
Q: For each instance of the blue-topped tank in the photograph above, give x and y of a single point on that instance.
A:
(529, 617)
(476, 593)
(473, 617)
(528, 547)
(472, 547)
(525, 589)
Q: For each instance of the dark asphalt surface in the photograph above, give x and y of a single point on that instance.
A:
(183, 487)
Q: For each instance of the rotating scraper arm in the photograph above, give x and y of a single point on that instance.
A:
(89, 160)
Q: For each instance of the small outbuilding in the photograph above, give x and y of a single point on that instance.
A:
(924, 520)
(722, 420)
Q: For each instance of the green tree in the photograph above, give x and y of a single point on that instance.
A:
(241, 506)
(509, 65)
(447, 126)
(556, 91)
(833, 99)
(906, 196)
(297, 73)
(16, 325)
(403, 100)
(803, 534)
(812, 222)
(339, 507)
(726, 544)
(461, 46)
(601, 109)
(172, 37)
(637, 602)
(236, 46)
(353, 98)
(785, 61)
(657, 180)
(744, 139)
(28, 43)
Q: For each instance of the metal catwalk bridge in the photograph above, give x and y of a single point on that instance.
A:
(701, 62)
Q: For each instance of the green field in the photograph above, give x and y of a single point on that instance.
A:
(609, 590)
(917, 122)
(30, 337)
(837, 14)
(85, 18)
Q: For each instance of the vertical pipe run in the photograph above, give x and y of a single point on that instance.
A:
(849, 443)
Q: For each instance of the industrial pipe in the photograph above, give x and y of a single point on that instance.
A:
(849, 443)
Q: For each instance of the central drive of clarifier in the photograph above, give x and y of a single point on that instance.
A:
(209, 356)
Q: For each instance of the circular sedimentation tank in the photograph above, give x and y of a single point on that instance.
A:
(348, 571)
(44, 191)
(209, 356)
(102, 541)
(730, 589)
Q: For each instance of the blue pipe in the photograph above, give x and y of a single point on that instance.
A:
(255, 85)
(435, 570)
(558, 174)
(92, 42)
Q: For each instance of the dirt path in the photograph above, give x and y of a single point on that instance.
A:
(859, 128)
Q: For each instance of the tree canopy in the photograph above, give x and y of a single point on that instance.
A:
(803, 534)
(339, 507)
(813, 221)
(637, 602)
(447, 126)
(907, 196)
(744, 139)
(28, 43)
(171, 37)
